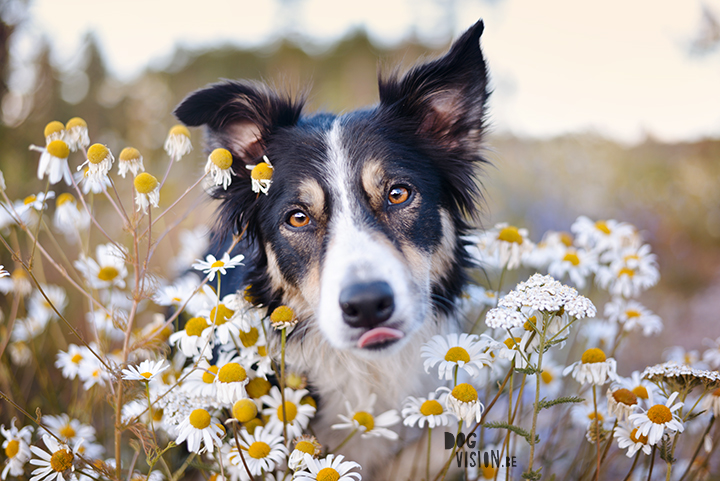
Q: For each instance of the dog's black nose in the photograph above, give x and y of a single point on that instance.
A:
(367, 304)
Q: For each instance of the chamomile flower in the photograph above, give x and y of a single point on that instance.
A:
(3, 272)
(641, 388)
(145, 371)
(578, 264)
(304, 444)
(552, 247)
(452, 351)
(261, 175)
(200, 380)
(632, 271)
(68, 429)
(593, 368)
(513, 349)
(147, 190)
(54, 465)
(178, 143)
(231, 380)
(283, 317)
(69, 362)
(195, 335)
(35, 202)
(503, 247)
(653, 422)
(621, 403)
(70, 218)
(211, 265)
(263, 450)
(463, 402)
(330, 468)
(17, 448)
(369, 425)
(108, 271)
(18, 283)
(629, 437)
(202, 432)
(92, 372)
(76, 134)
(298, 414)
(89, 183)
(711, 402)
(54, 130)
(99, 162)
(130, 160)
(602, 235)
(45, 309)
(223, 320)
(54, 162)
(421, 410)
(633, 316)
(219, 165)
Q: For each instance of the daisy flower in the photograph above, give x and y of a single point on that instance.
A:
(211, 265)
(513, 349)
(194, 337)
(305, 444)
(261, 175)
(92, 372)
(200, 380)
(578, 264)
(263, 450)
(283, 317)
(583, 414)
(593, 368)
(130, 160)
(69, 430)
(330, 468)
(452, 351)
(368, 424)
(42, 310)
(54, 162)
(69, 362)
(219, 165)
(99, 162)
(70, 218)
(35, 202)
(621, 403)
(145, 371)
(602, 235)
(147, 190)
(633, 316)
(298, 414)
(502, 247)
(200, 428)
(628, 437)
(178, 143)
(641, 388)
(223, 320)
(711, 402)
(463, 402)
(54, 130)
(422, 410)
(653, 422)
(108, 271)
(552, 247)
(3, 272)
(633, 271)
(230, 382)
(76, 134)
(53, 465)
(244, 410)
(17, 448)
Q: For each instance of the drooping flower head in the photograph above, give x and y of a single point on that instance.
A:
(77, 134)
(178, 143)
(219, 165)
(148, 191)
(130, 160)
(261, 175)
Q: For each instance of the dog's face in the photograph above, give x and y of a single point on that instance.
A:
(360, 231)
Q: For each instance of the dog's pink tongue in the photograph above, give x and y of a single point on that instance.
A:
(378, 335)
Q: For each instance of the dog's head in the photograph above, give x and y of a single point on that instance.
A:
(360, 231)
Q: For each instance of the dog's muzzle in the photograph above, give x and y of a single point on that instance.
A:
(367, 306)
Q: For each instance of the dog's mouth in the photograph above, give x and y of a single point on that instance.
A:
(379, 338)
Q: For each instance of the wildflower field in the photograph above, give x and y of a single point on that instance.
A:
(122, 361)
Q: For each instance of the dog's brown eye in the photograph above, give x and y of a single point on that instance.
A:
(398, 194)
(298, 219)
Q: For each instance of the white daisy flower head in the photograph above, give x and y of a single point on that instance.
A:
(653, 422)
(632, 272)
(364, 420)
(304, 444)
(35, 202)
(502, 247)
(68, 429)
(283, 317)
(583, 414)
(108, 271)
(621, 403)
(629, 437)
(91, 372)
(219, 165)
(426, 410)
(57, 464)
(194, 337)
(513, 349)
(99, 162)
(463, 402)
(178, 142)
(633, 316)
(263, 450)
(602, 235)
(76, 134)
(69, 362)
(552, 247)
(147, 191)
(230, 381)
(577, 264)
(202, 432)
(222, 318)
(211, 265)
(330, 468)
(593, 368)
(261, 175)
(18, 283)
(711, 402)
(298, 414)
(54, 162)
(453, 351)
(200, 379)
(45, 309)
(641, 388)
(20, 353)
(130, 160)
(70, 218)
(145, 371)
(17, 448)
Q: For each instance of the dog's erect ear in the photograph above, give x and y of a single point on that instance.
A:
(239, 115)
(444, 100)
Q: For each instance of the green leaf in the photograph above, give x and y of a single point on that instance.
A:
(511, 427)
(543, 404)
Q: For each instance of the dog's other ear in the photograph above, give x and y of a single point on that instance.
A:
(239, 115)
(444, 100)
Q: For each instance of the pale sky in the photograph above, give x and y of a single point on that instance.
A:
(621, 68)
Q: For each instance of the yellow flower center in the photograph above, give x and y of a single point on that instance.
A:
(220, 314)
(641, 392)
(547, 377)
(625, 396)
(457, 354)
(217, 264)
(59, 149)
(53, 128)
(146, 375)
(96, 153)
(180, 130)
(145, 183)
(67, 432)
(64, 198)
(488, 472)
(262, 171)
(659, 414)
(158, 415)
(308, 401)
(290, 409)
(252, 424)
(76, 122)
(257, 387)
(638, 439)
(209, 375)
(130, 154)
(626, 271)
(200, 419)
(591, 416)
(630, 313)
(108, 273)
(29, 199)
(247, 296)
(12, 448)
(365, 419)
(244, 410)
(222, 158)
(61, 460)
(262, 350)
(195, 326)
(512, 342)
(464, 392)
(593, 355)
(327, 474)
(76, 358)
(528, 326)
(232, 372)
(572, 258)
(306, 447)
(282, 314)
(566, 239)
(602, 226)
(259, 450)
(249, 338)
(295, 381)
(431, 407)
(510, 234)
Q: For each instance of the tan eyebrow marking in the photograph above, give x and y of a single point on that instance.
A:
(372, 180)
(312, 195)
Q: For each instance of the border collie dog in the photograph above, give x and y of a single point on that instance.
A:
(361, 232)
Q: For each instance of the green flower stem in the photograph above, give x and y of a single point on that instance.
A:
(541, 351)
(444, 470)
(348, 438)
(652, 463)
(632, 468)
(597, 432)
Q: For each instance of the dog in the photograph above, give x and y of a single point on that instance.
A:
(362, 231)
